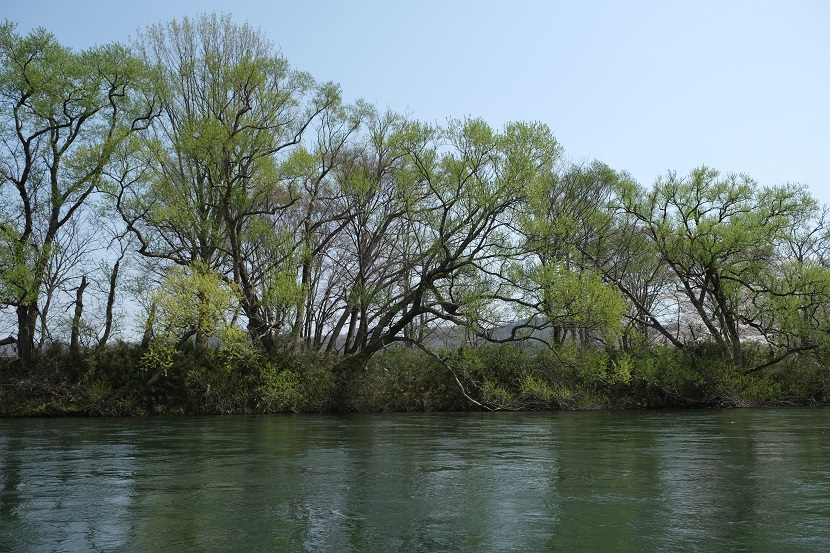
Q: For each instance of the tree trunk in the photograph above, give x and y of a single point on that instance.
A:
(102, 343)
(200, 340)
(43, 315)
(259, 331)
(74, 339)
(335, 334)
(735, 340)
(350, 346)
(148, 327)
(299, 323)
(27, 314)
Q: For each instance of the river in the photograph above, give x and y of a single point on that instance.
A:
(733, 480)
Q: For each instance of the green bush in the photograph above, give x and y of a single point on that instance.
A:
(281, 390)
(236, 378)
(496, 396)
(300, 384)
(402, 379)
(535, 392)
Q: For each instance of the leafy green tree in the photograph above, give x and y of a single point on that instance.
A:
(191, 302)
(432, 231)
(231, 107)
(312, 227)
(792, 309)
(63, 114)
(376, 199)
(564, 225)
(614, 243)
(720, 236)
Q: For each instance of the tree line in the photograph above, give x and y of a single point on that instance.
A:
(194, 191)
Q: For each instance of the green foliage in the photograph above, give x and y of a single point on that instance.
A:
(621, 366)
(564, 219)
(536, 392)
(63, 115)
(403, 379)
(297, 385)
(667, 374)
(18, 259)
(195, 302)
(281, 390)
(195, 299)
(281, 288)
(588, 366)
(159, 357)
(580, 299)
(212, 389)
(266, 202)
(719, 234)
(496, 396)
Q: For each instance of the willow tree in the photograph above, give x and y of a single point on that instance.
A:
(433, 218)
(300, 292)
(564, 226)
(230, 106)
(721, 237)
(62, 115)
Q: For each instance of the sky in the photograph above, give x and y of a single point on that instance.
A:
(643, 86)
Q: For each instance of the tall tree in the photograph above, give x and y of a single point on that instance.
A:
(62, 114)
(231, 106)
(432, 218)
(720, 236)
(564, 226)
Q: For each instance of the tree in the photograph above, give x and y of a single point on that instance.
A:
(63, 114)
(615, 244)
(720, 237)
(376, 201)
(432, 229)
(230, 107)
(565, 226)
(791, 311)
(190, 301)
(294, 241)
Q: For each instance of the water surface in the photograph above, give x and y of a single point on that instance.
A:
(742, 480)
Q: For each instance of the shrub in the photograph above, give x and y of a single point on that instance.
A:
(497, 397)
(280, 390)
(298, 384)
(536, 393)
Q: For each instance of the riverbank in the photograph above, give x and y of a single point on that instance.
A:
(119, 382)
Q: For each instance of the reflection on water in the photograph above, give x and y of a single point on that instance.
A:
(744, 480)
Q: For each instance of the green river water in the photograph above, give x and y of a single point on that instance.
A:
(736, 480)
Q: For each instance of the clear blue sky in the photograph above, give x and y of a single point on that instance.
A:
(645, 86)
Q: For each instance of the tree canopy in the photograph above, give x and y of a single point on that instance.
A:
(245, 198)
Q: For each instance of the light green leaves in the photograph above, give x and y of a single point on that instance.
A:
(581, 299)
(18, 284)
(724, 239)
(193, 301)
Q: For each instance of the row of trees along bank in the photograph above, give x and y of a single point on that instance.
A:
(193, 191)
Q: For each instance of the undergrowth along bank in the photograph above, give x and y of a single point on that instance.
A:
(118, 382)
